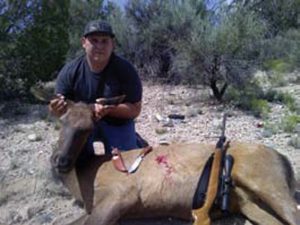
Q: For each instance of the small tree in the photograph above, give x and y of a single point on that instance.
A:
(156, 25)
(278, 15)
(126, 33)
(81, 12)
(35, 39)
(221, 50)
(282, 53)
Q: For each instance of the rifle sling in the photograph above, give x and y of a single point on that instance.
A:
(200, 194)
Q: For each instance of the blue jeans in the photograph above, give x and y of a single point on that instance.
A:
(122, 137)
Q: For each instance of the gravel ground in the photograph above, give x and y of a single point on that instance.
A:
(30, 196)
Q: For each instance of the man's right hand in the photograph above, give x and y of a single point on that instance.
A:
(58, 105)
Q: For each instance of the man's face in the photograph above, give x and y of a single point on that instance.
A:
(98, 47)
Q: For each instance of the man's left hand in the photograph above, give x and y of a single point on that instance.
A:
(101, 110)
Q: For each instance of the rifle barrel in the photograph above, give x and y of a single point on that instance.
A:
(224, 125)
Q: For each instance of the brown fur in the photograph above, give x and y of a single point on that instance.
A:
(165, 182)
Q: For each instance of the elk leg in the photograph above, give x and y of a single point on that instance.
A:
(275, 196)
(105, 213)
(252, 211)
(80, 221)
(271, 183)
(286, 209)
(110, 208)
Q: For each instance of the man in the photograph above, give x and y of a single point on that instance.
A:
(100, 73)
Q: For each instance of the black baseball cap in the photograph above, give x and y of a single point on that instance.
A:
(98, 26)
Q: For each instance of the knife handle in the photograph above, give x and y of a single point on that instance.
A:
(146, 150)
(118, 161)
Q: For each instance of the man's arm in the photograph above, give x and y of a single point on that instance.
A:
(126, 110)
(63, 90)
(123, 111)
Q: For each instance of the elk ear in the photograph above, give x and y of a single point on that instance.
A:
(70, 104)
(43, 91)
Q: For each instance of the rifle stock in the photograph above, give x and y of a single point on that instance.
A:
(202, 215)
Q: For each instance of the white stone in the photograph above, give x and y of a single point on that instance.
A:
(34, 137)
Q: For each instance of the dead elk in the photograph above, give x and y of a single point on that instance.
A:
(165, 183)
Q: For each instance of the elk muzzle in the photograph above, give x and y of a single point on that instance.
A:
(62, 163)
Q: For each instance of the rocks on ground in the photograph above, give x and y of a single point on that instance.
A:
(30, 196)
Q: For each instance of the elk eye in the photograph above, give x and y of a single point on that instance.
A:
(79, 132)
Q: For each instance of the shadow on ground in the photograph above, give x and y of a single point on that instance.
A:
(169, 221)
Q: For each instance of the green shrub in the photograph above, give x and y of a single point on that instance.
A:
(259, 107)
(281, 53)
(289, 122)
(232, 94)
(289, 101)
(277, 65)
(285, 98)
(251, 99)
(277, 79)
(271, 95)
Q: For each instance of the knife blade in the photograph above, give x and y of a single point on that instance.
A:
(112, 101)
(139, 159)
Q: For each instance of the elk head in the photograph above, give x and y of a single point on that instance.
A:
(77, 123)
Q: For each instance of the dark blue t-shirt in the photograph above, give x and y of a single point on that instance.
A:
(77, 82)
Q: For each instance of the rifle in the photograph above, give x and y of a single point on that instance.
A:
(201, 215)
(226, 183)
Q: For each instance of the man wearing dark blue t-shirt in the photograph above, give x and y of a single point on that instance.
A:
(98, 74)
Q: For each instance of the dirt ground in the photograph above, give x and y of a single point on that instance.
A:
(29, 195)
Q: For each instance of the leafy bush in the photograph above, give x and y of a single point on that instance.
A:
(249, 99)
(289, 101)
(289, 122)
(220, 55)
(281, 97)
(282, 53)
(277, 79)
(259, 107)
(218, 45)
(155, 25)
(33, 44)
(277, 65)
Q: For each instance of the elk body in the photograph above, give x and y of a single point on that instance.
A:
(165, 183)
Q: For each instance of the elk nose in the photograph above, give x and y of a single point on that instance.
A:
(64, 162)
